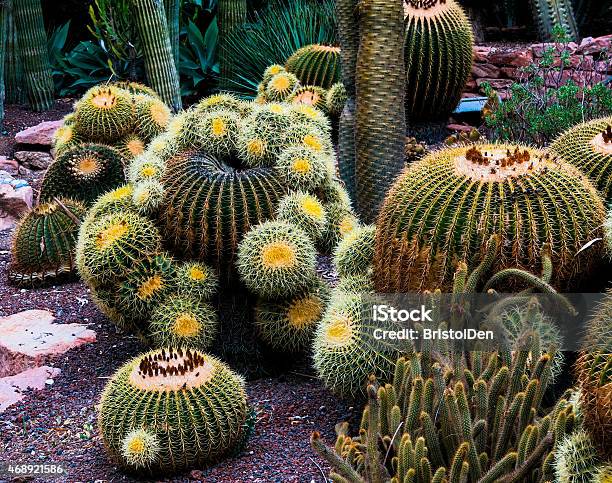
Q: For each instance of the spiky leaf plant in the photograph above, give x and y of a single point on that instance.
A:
(44, 243)
(281, 87)
(438, 56)
(33, 52)
(277, 259)
(197, 280)
(380, 121)
(145, 285)
(152, 116)
(594, 374)
(244, 198)
(304, 211)
(355, 252)
(576, 459)
(588, 146)
(231, 14)
(316, 65)
(288, 325)
(345, 351)
(446, 206)
(104, 113)
(302, 168)
(83, 173)
(183, 321)
(170, 410)
(109, 245)
(309, 96)
(432, 424)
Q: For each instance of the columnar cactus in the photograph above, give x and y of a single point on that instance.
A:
(380, 126)
(432, 424)
(32, 41)
(438, 56)
(173, 17)
(446, 206)
(44, 243)
(588, 146)
(4, 21)
(13, 77)
(316, 65)
(170, 410)
(551, 14)
(160, 68)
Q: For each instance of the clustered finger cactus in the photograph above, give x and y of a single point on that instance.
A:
(316, 65)
(445, 207)
(438, 55)
(434, 424)
(588, 146)
(170, 410)
(44, 243)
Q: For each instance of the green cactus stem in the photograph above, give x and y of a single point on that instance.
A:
(173, 17)
(554, 14)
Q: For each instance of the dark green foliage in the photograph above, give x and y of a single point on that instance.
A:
(380, 123)
(277, 32)
(83, 173)
(438, 56)
(160, 68)
(32, 41)
(44, 243)
(539, 110)
(4, 21)
(210, 205)
(316, 65)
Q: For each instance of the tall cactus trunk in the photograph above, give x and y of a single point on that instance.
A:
(32, 41)
(555, 13)
(380, 127)
(160, 68)
(348, 33)
(173, 17)
(13, 69)
(4, 14)
(231, 14)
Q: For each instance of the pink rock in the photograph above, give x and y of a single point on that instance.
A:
(459, 127)
(40, 134)
(514, 58)
(13, 204)
(538, 49)
(31, 338)
(511, 72)
(13, 387)
(596, 46)
(9, 165)
(485, 70)
(481, 53)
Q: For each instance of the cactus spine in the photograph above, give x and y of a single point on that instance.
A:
(555, 13)
(231, 14)
(32, 41)
(348, 35)
(160, 68)
(380, 125)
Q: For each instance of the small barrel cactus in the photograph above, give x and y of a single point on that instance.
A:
(170, 410)
(281, 86)
(355, 252)
(305, 211)
(310, 96)
(316, 65)
(197, 280)
(152, 116)
(105, 112)
(44, 243)
(576, 458)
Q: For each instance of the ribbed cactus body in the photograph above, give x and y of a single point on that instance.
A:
(316, 65)
(576, 458)
(446, 206)
(44, 243)
(230, 15)
(4, 21)
(355, 252)
(13, 75)
(160, 68)
(594, 374)
(555, 13)
(173, 18)
(32, 41)
(104, 113)
(170, 410)
(438, 56)
(380, 123)
(348, 35)
(210, 205)
(83, 173)
(588, 146)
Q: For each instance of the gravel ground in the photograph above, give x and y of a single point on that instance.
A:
(57, 425)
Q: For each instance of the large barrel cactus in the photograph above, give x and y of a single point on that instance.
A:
(445, 207)
(316, 65)
(438, 56)
(588, 146)
(44, 243)
(170, 410)
(380, 123)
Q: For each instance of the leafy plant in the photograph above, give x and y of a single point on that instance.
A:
(198, 64)
(548, 99)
